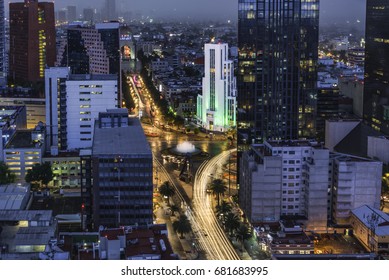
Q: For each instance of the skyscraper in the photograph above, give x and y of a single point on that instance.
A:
(71, 13)
(376, 92)
(278, 42)
(88, 50)
(216, 104)
(2, 43)
(32, 40)
(109, 12)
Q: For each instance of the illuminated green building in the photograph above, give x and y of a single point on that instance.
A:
(216, 105)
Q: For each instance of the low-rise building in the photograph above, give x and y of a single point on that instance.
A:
(66, 169)
(11, 119)
(14, 196)
(25, 149)
(290, 240)
(371, 228)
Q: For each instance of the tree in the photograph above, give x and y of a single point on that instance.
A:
(179, 121)
(167, 190)
(40, 173)
(218, 187)
(174, 208)
(232, 222)
(243, 233)
(6, 175)
(182, 226)
(223, 209)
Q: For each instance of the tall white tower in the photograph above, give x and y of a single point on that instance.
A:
(216, 106)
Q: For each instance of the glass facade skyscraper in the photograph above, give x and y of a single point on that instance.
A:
(376, 92)
(2, 43)
(277, 71)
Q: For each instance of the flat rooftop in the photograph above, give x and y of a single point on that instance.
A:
(293, 143)
(121, 140)
(26, 215)
(22, 139)
(93, 77)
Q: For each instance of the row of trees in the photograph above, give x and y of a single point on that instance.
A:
(230, 220)
(182, 225)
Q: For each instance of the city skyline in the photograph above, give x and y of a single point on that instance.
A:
(330, 10)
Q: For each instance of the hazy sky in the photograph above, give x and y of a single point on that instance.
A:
(340, 10)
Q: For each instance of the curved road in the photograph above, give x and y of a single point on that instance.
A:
(211, 236)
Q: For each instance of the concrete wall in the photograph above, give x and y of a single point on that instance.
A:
(337, 130)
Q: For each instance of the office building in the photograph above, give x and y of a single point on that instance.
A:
(355, 182)
(12, 118)
(91, 50)
(32, 40)
(89, 15)
(216, 105)
(285, 179)
(109, 12)
(80, 98)
(376, 90)
(2, 45)
(276, 80)
(327, 107)
(71, 13)
(122, 172)
(35, 105)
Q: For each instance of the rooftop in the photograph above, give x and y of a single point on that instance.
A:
(34, 235)
(22, 139)
(357, 148)
(121, 140)
(93, 77)
(293, 143)
(14, 196)
(26, 215)
(371, 217)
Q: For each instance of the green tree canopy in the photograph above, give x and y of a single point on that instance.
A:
(243, 233)
(40, 173)
(182, 226)
(232, 222)
(174, 208)
(166, 189)
(218, 188)
(223, 209)
(6, 175)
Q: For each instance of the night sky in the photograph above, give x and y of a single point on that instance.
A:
(338, 10)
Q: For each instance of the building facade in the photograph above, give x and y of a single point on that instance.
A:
(376, 90)
(24, 150)
(278, 53)
(32, 40)
(122, 172)
(371, 228)
(70, 122)
(89, 50)
(285, 179)
(2, 45)
(216, 105)
(355, 182)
